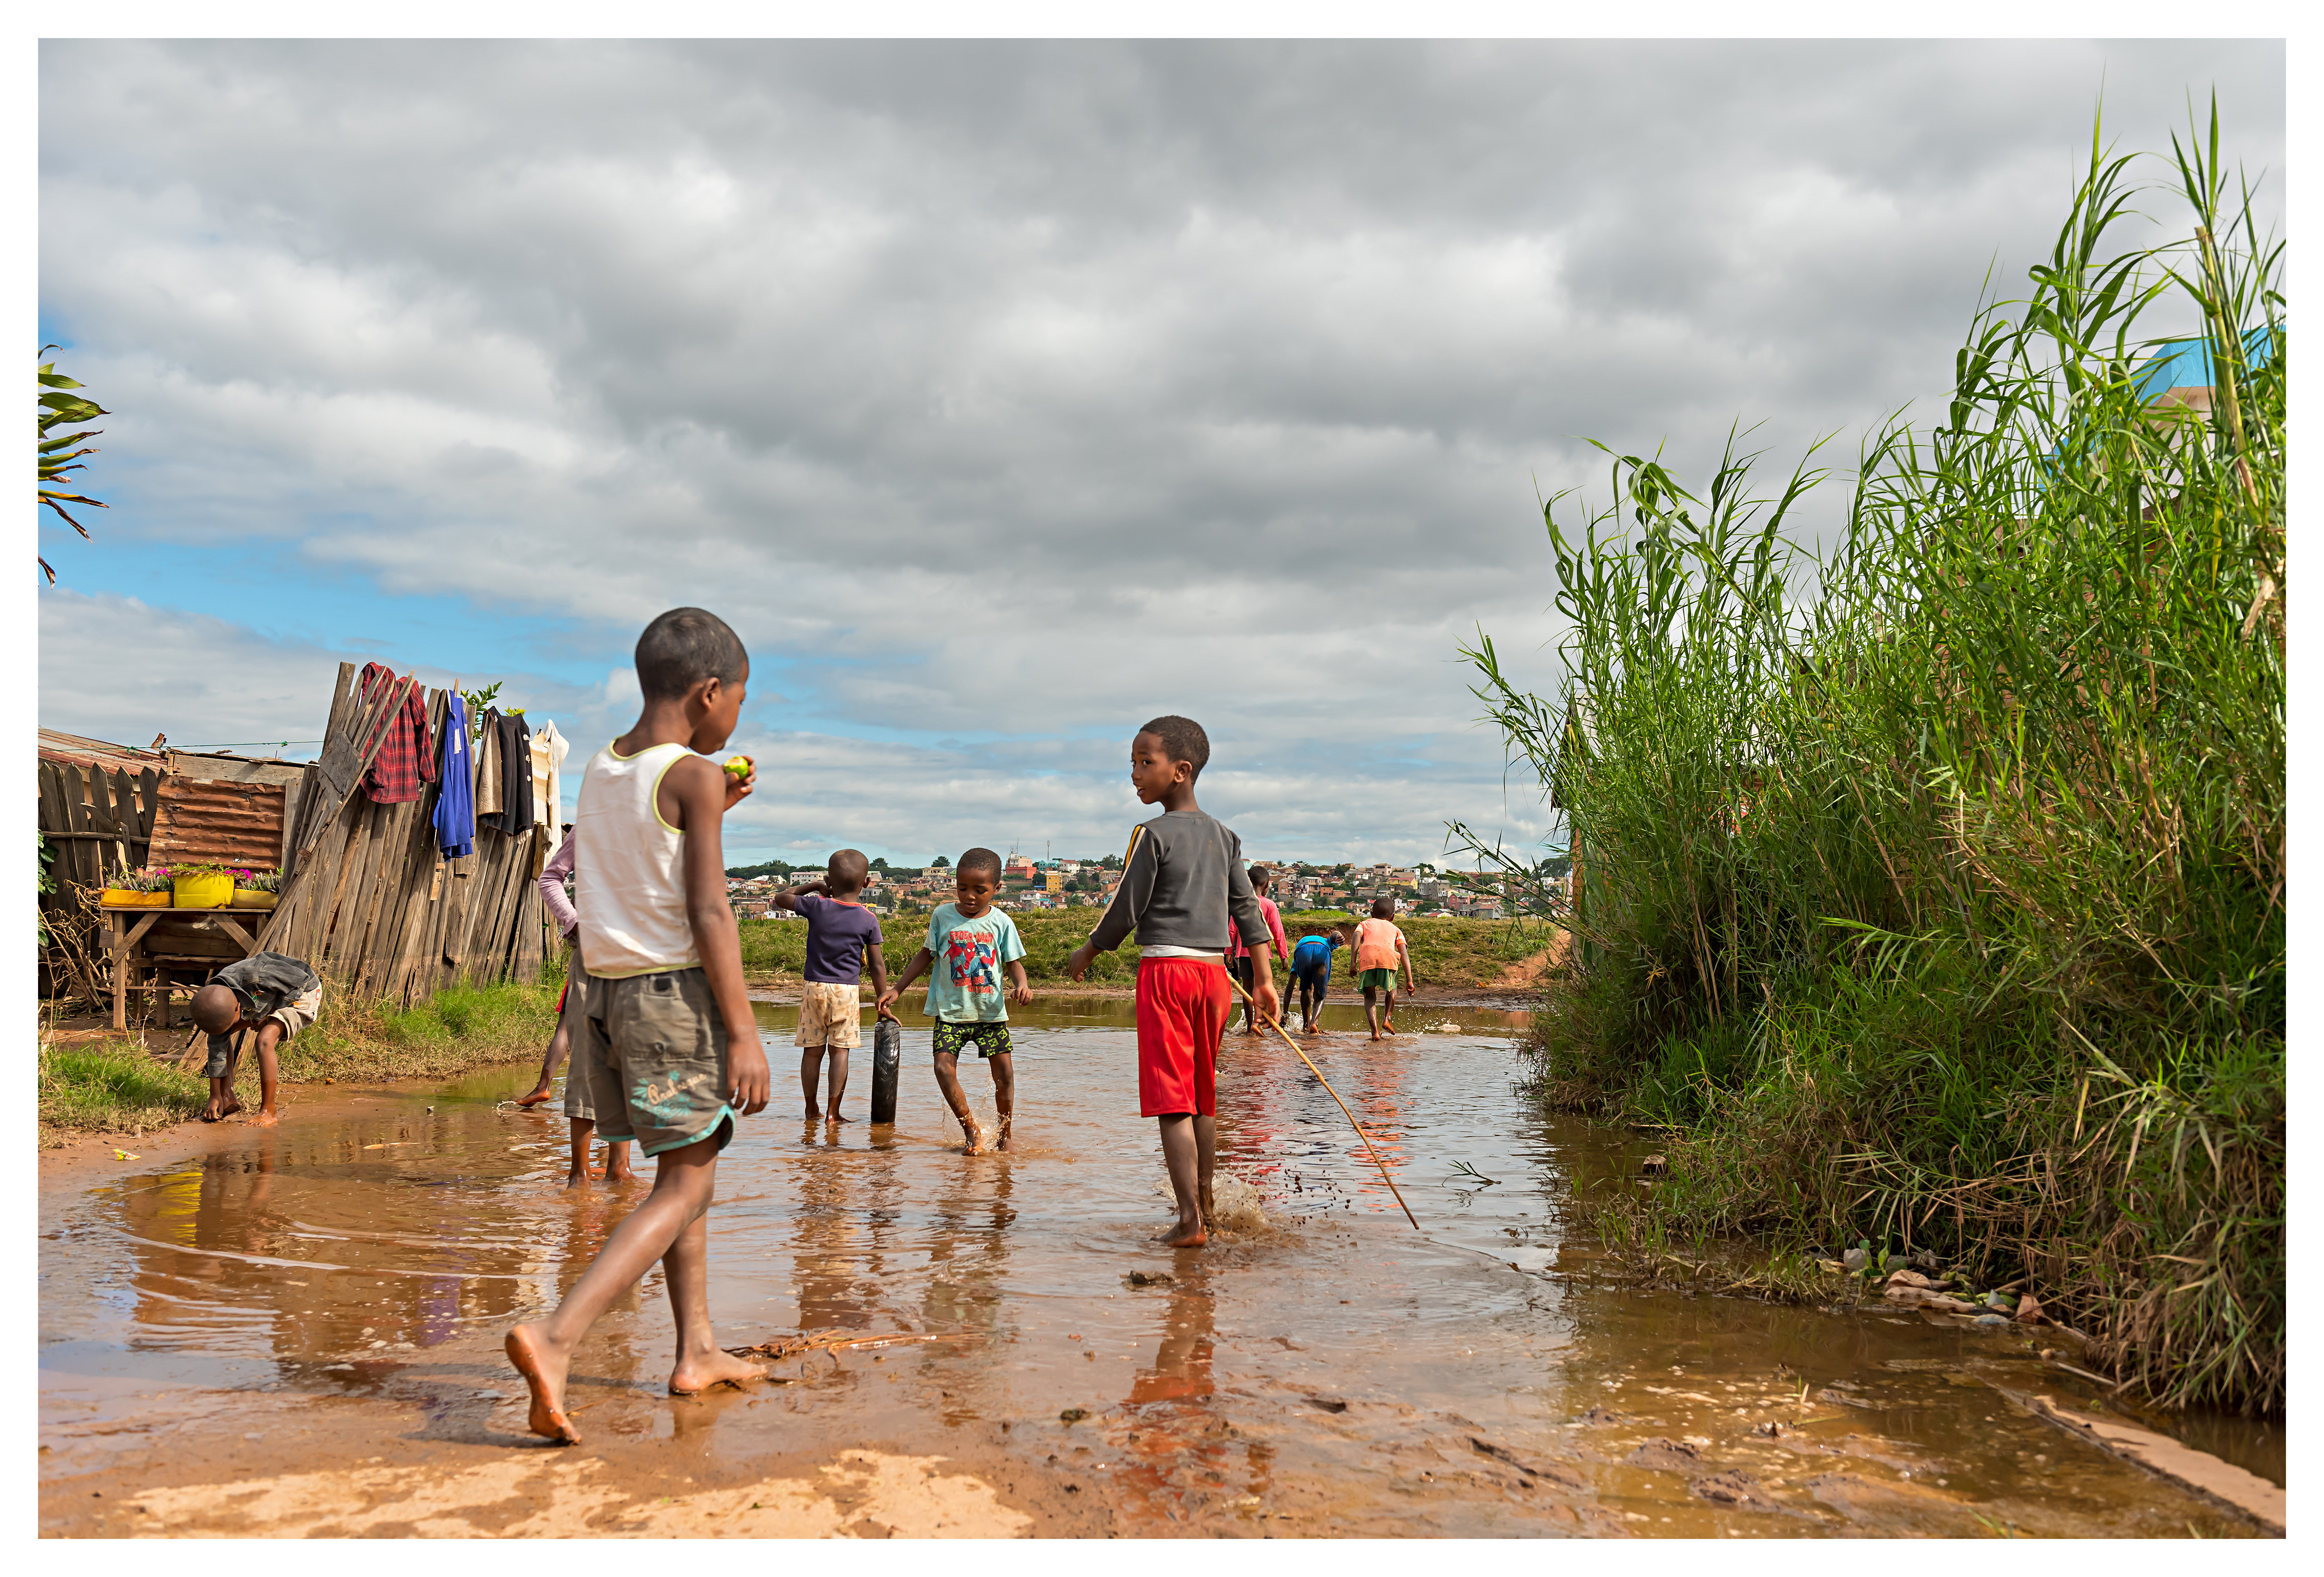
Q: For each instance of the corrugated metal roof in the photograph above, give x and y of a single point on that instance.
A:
(221, 823)
(86, 753)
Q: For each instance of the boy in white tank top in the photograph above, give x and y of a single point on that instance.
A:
(665, 1036)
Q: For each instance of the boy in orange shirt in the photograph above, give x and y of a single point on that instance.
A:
(1380, 949)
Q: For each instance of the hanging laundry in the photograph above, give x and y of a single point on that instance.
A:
(516, 780)
(406, 761)
(455, 805)
(488, 768)
(548, 751)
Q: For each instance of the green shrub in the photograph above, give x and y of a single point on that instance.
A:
(1932, 890)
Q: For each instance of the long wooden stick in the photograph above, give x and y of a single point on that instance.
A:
(1359, 1127)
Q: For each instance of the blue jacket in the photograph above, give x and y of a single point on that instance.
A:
(456, 803)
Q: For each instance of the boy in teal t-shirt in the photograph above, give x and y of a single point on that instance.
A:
(971, 945)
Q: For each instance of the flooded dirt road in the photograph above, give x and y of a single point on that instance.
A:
(297, 1330)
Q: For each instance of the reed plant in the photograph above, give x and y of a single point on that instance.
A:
(1930, 887)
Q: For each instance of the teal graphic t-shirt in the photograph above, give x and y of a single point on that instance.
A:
(964, 981)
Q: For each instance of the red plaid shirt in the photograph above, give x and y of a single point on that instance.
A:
(407, 757)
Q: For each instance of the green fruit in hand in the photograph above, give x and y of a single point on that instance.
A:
(739, 767)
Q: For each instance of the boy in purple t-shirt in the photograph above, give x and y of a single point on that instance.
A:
(842, 934)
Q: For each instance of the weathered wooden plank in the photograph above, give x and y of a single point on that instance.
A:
(420, 859)
(410, 886)
(516, 878)
(149, 802)
(381, 874)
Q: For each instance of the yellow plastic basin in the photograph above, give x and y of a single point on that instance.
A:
(207, 889)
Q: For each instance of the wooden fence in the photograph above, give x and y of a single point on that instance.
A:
(369, 899)
(95, 821)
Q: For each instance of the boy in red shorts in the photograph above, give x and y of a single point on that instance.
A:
(1181, 881)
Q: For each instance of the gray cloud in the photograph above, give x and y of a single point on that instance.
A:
(1012, 393)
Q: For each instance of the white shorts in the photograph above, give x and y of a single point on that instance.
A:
(830, 1014)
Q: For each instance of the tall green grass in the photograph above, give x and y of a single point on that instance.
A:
(1930, 889)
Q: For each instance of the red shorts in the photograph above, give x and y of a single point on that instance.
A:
(1183, 1007)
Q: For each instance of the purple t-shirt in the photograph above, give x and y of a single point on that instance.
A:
(836, 934)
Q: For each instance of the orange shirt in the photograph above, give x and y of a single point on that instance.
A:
(1376, 944)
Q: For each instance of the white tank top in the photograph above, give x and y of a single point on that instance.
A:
(628, 881)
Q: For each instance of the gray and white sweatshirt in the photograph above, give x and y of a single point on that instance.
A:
(1180, 880)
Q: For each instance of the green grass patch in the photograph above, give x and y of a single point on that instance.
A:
(115, 1088)
(460, 1028)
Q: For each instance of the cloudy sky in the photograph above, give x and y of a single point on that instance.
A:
(1000, 396)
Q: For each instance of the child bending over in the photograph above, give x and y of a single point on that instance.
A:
(975, 943)
(1181, 881)
(1311, 968)
(271, 993)
(666, 1039)
(843, 934)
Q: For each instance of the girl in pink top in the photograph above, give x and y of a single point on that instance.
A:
(1238, 957)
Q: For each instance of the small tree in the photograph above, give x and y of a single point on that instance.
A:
(58, 409)
(939, 863)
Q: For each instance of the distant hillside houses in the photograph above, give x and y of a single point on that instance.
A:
(1028, 883)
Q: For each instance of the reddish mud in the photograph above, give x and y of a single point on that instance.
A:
(298, 1331)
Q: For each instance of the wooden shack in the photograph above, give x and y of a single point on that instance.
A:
(366, 896)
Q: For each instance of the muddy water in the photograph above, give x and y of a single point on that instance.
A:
(233, 1314)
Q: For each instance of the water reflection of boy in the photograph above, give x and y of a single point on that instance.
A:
(1181, 881)
(965, 997)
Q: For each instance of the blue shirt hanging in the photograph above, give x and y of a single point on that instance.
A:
(456, 803)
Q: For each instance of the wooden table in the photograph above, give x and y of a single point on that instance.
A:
(140, 938)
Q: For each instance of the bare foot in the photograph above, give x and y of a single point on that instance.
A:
(533, 1097)
(813, 1113)
(836, 1117)
(230, 1108)
(544, 1373)
(1003, 1145)
(621, 1174)
(1186, 1237)
(694, 1376)
(265, 1118)
(975, 1138)
(580, 1179)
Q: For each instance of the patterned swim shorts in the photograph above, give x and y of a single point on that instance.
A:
(990, 1037)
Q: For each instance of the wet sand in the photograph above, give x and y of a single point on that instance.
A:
(297, 1330)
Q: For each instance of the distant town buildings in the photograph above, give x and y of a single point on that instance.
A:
(1028, 883)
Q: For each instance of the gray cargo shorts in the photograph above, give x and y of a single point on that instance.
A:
(651, 1052)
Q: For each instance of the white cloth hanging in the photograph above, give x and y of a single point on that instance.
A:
(549, 748)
